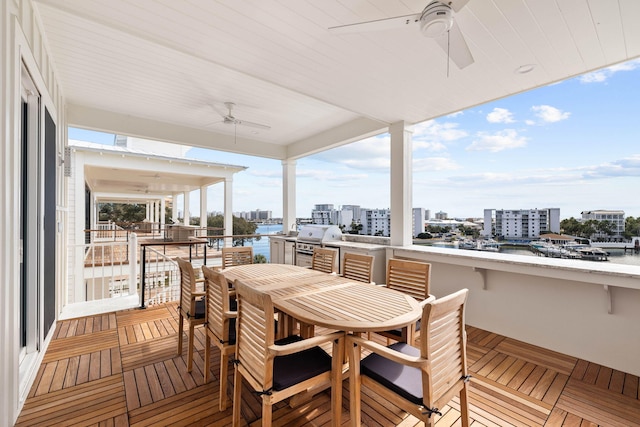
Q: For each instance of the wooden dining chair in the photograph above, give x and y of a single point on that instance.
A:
(420, 380)
(220, 327)
(238, 255)
(279, 369)
(412, 278)
(357, 267)
(324, 259)
(191, 308)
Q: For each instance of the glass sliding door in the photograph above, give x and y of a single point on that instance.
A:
(29, 215)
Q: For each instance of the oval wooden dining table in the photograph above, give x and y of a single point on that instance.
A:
(329, 300)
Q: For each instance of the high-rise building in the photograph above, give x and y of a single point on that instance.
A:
(521, 223)
(376, 222)
(419, 218)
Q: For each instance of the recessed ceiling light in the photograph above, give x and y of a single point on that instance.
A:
(524, 69)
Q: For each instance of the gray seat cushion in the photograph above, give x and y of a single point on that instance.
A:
(200, 309)
(295, 368)
(403, 380)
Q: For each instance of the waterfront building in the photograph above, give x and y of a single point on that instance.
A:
(520, 223)
(418, 221)
(614, 217)
(328, 215)
(376, 222)
(441, 215)
(257, 215)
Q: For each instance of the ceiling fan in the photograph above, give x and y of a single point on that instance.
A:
(230, 119)
(436, 21)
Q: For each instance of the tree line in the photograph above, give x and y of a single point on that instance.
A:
(590, 227)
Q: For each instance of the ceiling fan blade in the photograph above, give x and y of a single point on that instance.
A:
(376, 25)
(457, 47)
(213, 123)
(252, 124)
(456, 5)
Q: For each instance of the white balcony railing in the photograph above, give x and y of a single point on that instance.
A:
(585, 309)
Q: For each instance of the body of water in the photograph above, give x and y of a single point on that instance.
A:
(262, 246)
(616, 256)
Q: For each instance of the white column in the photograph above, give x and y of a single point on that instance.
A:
(162, 209)
(93, 224)
(401, 184)
(186, 208)
(157, 211)
(76, 288)
(288, 195)
(174, 207)
(147, 217)
(203, 207)
(228, 210)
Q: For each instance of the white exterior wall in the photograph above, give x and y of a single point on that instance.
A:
(22, 41)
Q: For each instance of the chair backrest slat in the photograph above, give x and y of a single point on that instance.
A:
(187, 285)
(239, 255)
(409, 277)
(357, 267)
(443, 342)
(217, 302)
(254, 333)
(324, 259)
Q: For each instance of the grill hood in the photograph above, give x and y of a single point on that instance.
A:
(315, 233)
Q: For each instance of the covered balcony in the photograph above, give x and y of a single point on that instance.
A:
(551, 342)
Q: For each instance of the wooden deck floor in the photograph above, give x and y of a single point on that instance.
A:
(121, 369)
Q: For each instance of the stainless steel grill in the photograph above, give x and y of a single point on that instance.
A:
(314, 235)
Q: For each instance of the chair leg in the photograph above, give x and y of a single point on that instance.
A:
(354, 385)
(224, 372)
(237, 397)
(464, 406)
(190, 345)
(180, 326)
(267, 414)
(338, 358)
(207, 357)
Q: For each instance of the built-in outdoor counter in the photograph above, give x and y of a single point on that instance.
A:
(282, 249)
(376, 250)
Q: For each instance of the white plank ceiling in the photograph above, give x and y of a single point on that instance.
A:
(163, 68)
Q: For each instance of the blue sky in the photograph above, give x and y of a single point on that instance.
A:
(574, 145)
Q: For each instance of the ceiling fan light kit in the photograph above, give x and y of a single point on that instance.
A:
(436, 20)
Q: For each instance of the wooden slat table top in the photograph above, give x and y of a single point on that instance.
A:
(329, 300)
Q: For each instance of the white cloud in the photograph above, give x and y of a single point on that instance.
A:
(549, 114)
(433, 136)
(431, 164)
(500, 115)
(368, 154)
(604, 74)
(504, 140)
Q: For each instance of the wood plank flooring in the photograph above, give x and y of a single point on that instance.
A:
(122, 369)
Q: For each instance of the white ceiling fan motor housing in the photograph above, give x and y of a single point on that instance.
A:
(436, 19)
